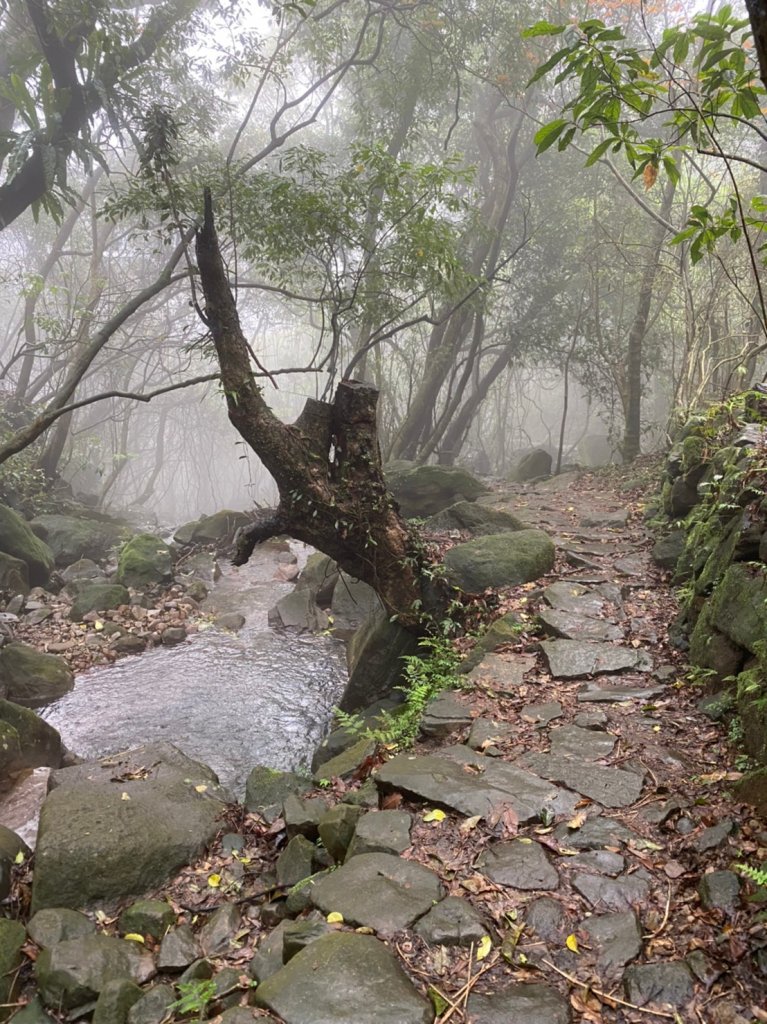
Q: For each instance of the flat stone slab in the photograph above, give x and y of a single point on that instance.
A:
(542, 714)
(594, 834)
(343, 978)
(486, 731)
(504, 674)
(453, 922)
(520, 864)
(573, 598)
(601, 862)
(471, 784)
(617, 894)
(720, 890)
(546, 917)
(611, 787)
(379, 891)
(445, 714)
(381, 832)
(617, 939)
(571, 626)
(617, 694)
(661, 984)
(573, 741)
(613, 519)
(525, 1004)
(571, 659)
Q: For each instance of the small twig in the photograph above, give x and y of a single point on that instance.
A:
(467, 986)
(606, 995)
(664, 922)
(465, 992)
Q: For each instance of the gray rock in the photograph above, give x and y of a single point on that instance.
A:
(152, 1007)
(299, 934)
(97, 597)
(573, 741)
(427, 490)
(178, 949)
(720, 890)
(521, 863)
(84, 569)
(319, 576)
(374, 657)
(617, 694)
(574, 598)
(33, 1013)
(302, 817)
(570, 626)
(337, 828)
(711, 838)
(218, 932)
(667, 550)
(596, 832)
(444, 779)
(453, 922)
(268, 957)
(532, 466)
(520, 1004)
(617, 939)
(115, 1000)
(12, 939)
(381, 832)
(58, 924)
(267, 788)
(352, 603)
(504, 630)
(602, 862)
(500, 560)
(611, 787)
(71, 537)
(345, 764)
(444, 715)
(220, 526)
(20, 543)
(232, 621)
(172, 636)
(14, 579)
(344, 979)
(104, 836)
(27, 740)
(612, 893)
(546, 918)
(660, 984)
(595, 720)
(571, 659)
(485, 733)
(297, 611)
(74, 972)
(146, 917)
(478, 520)
(613, 519)
(379, 891)
(31, 678)
(295, 861)
(541, 714)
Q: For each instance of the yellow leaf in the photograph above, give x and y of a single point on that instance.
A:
(124, 796)
(19, 858)
(98, 625)
(214, 881)
(522, 958)
(364, 930)
(435, 815)
(572, 943)
(484, 947)
(335, 918)
(134, 937)
(578, 820)
(201, 788)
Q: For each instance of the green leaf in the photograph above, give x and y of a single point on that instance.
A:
(671, 169)
(552, 62)
(543, 28)
(684, 235)
(548, 134)
(681, 48)
(598, 151)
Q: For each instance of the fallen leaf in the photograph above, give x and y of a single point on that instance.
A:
(124, 796)
(202, 788)
(19, 858)
(391, 802)
(214, 881)
(471, 823)
(335, 918)
(572, 943)
(484, 947)
(134, 937)
(577, 820)
(436, 815)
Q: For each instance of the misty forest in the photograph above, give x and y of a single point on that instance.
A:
(383, 511)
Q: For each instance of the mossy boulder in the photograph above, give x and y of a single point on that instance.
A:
(31, 678)
(267, 788)
(426, 490)
(503, 631)
(374, 657)
(73, 537)
(713, 650)
(319, 576)
(97, 597)
(12, 938)
(739, 606)
(478, 520)
(531, 466)
(213, 529)
(26, 741)
(74, 972)
(501, 560)
(14, 575)
(18, 539)
(145, 560)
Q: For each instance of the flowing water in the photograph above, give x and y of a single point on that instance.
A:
(259, 696)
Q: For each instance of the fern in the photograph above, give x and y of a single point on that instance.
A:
(758, 875)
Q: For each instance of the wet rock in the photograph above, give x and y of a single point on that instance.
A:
(26, 740)
(503, 631)
(302, 817)
(11, 846)
(30, 678)
(344, 979)
(295, 862)
(58, 924)
(573, 598)
(660, 984)
(571, 659)
(477, 520)
(485, 733)
(267, 959)
(71, 538)
(381, 832)
(345, 764)
(453, 922)
(521, 864)
(297, 611)
(352, 603)
(232, 621)
(443, 779)
(570, 626)
(115, 1000)
(19, 541)
(720, 890)
(33, 1013)
(596, 832)
(533, 465)
(84, 570)
(14, 576)
(299, 934)
(128, 643)
(667, 551)
(541, 714)
(74, 972)
(379, 891)
(97, 597)
(611, 787)
(573, 741)
(152, 1007)
(374, 656)
(173, 635)
(531, 1004)
(613, 893)
(617, 939)
(12, 939)
(444, 715)
(617, 694)
(219, 930)
(319, 575)
(122, 825)
(593, 720)
(546, 918)
(427, 490)
(603, 862)
(220, 526)
(712, 837)
(266, 789)
(178, 949)
(500, 560)
(659, 813)
(146, 917)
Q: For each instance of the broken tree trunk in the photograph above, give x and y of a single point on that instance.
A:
(327, 465)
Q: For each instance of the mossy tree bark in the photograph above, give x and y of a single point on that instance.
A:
(327, 465)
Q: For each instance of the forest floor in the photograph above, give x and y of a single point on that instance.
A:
(630, 907)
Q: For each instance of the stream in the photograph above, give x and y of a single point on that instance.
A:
(231, 700)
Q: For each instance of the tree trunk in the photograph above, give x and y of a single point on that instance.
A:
(327, 465)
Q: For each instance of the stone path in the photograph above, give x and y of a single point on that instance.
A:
(559, 847)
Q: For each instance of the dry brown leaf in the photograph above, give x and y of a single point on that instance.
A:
(577, 820)
(391, 802)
